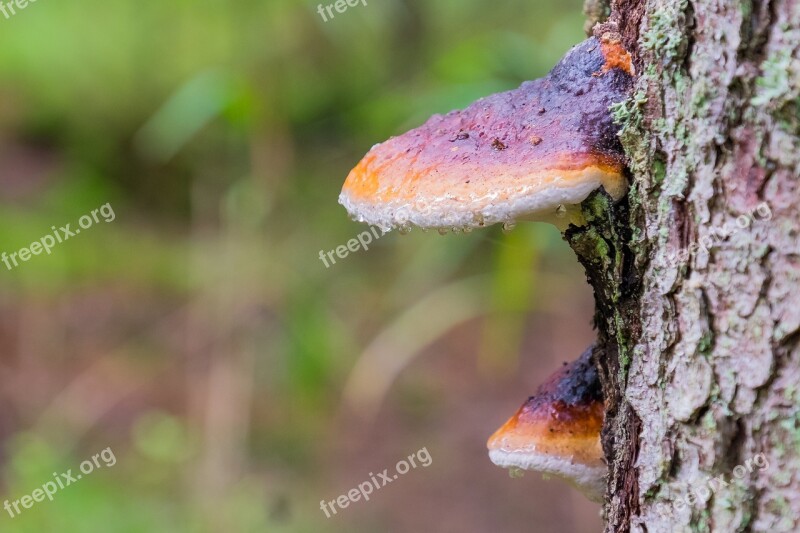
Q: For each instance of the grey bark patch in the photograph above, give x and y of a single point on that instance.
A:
(715, 375)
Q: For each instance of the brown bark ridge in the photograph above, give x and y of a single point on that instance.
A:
(697, 273)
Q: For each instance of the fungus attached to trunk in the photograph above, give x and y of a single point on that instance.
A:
(557, 431)
(533, 153)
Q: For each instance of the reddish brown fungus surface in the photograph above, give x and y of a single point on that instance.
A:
(554, 133)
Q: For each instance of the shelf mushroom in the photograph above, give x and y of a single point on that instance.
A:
(557, 430)
(533, 153)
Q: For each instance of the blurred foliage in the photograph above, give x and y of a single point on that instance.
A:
(221, 133)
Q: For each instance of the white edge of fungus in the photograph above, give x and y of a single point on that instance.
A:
(455, 211)
(590, 480)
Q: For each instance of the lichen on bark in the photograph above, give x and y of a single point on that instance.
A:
(603, 247)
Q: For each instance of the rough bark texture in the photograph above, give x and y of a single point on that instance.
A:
(697, 273)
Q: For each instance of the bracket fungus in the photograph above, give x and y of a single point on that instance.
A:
(534, 153)
(557, 430)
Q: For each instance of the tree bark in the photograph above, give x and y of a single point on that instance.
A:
(697, 274)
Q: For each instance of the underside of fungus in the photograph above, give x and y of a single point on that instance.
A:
(557, 430)
(528, 154)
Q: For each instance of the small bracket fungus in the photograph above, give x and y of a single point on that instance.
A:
(534, 153)
(557, 431)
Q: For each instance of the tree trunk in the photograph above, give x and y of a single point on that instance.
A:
(697, 274)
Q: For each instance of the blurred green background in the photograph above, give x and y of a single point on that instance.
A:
(237, 379)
